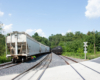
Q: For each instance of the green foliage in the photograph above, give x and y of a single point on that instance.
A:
(90, 48)
(61, 44)
(3, 59)
(2, 44)
(1, 24)
(92, 55)
(80, 50)
(71, 43)
(40, 39)
(2, 48)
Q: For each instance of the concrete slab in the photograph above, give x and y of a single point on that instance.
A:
(92, 65)
(64, 72)
(8, 77)
(90, 70)
(87, 73)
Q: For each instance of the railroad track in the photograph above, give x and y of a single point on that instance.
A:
(7, 65)
(73, 67)
(63, 57)
(3, 64)
(36, 72)
(68, 60)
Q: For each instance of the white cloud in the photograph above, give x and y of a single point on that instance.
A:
(69, 31)
(63, 34)
(9, 14)
(93, 9)
(32, 31)
(40, 32)
(1, 13)
(7, 28)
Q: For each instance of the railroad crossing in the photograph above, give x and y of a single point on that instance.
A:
(60, 68)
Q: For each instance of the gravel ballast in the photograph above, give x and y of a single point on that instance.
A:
(56, 61)
(21, 67)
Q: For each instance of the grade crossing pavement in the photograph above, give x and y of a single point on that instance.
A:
(59, 70)
(87, 70)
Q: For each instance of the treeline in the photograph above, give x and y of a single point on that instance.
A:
(74, 42)
(2, 44)
(40, 39)
(2, 49)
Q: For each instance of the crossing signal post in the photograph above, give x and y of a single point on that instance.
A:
(85, 49)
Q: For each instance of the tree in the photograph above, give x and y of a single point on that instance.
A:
(40, 39)
(36, 34)
(2, 44)
(1, 24)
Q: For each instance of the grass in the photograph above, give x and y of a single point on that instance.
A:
(3, 59)
(81, 55)
(92, 56)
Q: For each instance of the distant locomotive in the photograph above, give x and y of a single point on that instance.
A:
(57, 50)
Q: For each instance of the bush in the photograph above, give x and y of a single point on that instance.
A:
(80, 50)
(3, 59)
(64, 48)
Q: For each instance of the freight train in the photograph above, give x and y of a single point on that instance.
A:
(22, 46)
(57, 50)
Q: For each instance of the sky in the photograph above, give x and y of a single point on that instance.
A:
(48, 17)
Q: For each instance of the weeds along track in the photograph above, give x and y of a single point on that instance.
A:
(36, 72)
(7, 65)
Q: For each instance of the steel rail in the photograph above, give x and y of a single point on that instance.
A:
(49, 61)
(41, 67)
(3, 64)
(73, 68)
(25, 72)
(35, 68)
(64, 60)
(84, 65)
(8, 65)
(71, 59)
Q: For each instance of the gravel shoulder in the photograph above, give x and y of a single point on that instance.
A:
(21, 67)
(78, 71)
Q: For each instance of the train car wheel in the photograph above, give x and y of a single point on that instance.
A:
(13, 60)
(26, 59)
(22, 59)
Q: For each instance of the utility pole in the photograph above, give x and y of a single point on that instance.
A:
(94, 41)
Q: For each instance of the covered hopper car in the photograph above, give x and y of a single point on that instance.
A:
(22, 46)
(57, 50)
